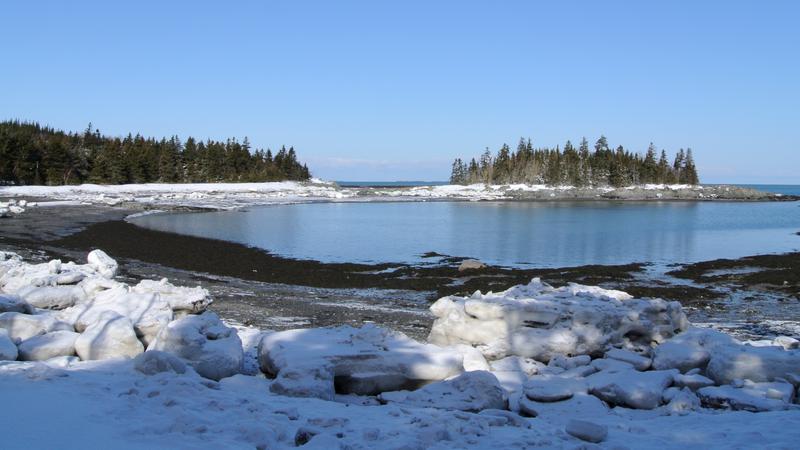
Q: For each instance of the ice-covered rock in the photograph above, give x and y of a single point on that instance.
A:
(471, 391)
(52, 297)
(110, 336)
(732, 362)
(149, 313)
(690, 349)
(587, 431)
(102, 263)
(152, 362)
(539, 321)
(13, 303)
(47, 346)
(641, 390)
(638, 361)
(8, 351)
(749, 396)
(548, 388)
(192, 300)
(25, 326)
(205, 343)
(369, 360)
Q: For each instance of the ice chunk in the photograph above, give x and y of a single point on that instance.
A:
(690, 349)
(102, 263)
(753, 397)
(205, 343)
(185, 299)
(638, 361)
(471, 391)
(547, 388)
(24, 326)
(152, 362)
(539, 321)
(47, 346)
(641, 390)
(13, 303)
(8, 351)
(368, 360)
(732, 362)
(586, 431)
(110, 336)
(52, 297)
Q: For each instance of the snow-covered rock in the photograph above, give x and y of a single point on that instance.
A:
(102, 263)
(694, 381)
(110, 336)
(52, 297)
(367, 360)
(732, 362)
(690, 349)
(192, 300)
(548, 388)
(749, 396)
(152, 362)
(13, 303)
(587, 431)
(205, 343)
(47, 346)
(8, 351)
(539, 321)
(471, 391)
(638, 361)
(24, 326)
(640, 390)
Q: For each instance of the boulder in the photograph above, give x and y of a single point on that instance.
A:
(631, 388)
(25, 326)
(366, 361)
(471, 391)
(732, 362)
(587, 431)
(203, 342)
(52, 297)
(13, 303)
(470, 264)
(541, 322)
(47, 346)
(690, 349)
(111, 336)
(193, 300)
(152, 362)
(8, 351)
(102, 263)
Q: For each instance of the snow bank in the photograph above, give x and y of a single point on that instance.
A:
(593, 361)
(541, 322)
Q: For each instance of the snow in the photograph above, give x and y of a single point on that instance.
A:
(198, 385)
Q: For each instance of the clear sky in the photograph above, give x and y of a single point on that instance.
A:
(380, 90)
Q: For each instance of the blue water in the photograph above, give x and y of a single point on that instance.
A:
(538, 234)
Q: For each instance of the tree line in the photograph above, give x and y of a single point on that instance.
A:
(576, 166)
(34, 154)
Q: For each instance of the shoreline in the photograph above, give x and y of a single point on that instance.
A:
(259, 288)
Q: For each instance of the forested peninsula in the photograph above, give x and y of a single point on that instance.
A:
(576, 166)
(32, 154)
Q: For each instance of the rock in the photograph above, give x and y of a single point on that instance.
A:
(152, 362)
(8, 351)
(52, 297)
(553, 388)
(586, 431)
(580, 406)
(111, 336)
(640, 390)
(690, 349)
(13, 303)
(102, 263)
(203, 342)
(732, 362)
(471, 391)
(638, 362)
(693, 382)
(47, 346)
(541, 322)
(754, 397)
(25, 326)
(471, 264)
(184, 299)
(366, 361)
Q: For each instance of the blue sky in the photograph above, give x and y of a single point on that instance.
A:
(396, 90)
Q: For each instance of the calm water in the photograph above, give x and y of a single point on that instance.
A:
(506, 233)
